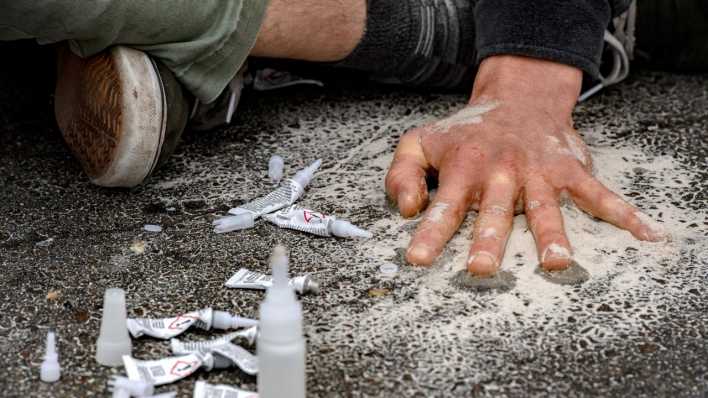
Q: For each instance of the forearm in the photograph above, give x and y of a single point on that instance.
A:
(311, 30)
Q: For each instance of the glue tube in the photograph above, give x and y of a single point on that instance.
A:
(205, 319)
(245, 279)
(287, 193)
(203, 389)
(315, 223)
(166, 370)
(180, 347)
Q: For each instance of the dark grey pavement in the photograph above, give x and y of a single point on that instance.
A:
(638, 327)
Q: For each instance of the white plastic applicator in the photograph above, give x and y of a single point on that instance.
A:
(50, 371)
(281, 345)
(234, 223)
(113, 340)
(275, 168)
(345, 229)
(224, 321)
(304, 176)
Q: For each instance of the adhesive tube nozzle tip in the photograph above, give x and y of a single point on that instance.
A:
(345, 229)
(234, 223)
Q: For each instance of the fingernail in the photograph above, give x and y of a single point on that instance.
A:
(419, 254)
(555, 257)
(482, 263)
(407, 204)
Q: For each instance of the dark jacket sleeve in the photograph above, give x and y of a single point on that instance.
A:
(565, 31)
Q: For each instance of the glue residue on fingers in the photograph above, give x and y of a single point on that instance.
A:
(315, 223)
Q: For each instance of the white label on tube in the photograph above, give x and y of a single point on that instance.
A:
(300, 219)
(188, 347)
(203, 389)
(285, 195)
(167, 328)
(166, 370)
(245, 279)
(242, 358)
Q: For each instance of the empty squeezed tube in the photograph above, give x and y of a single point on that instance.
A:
(180, 347)
(229, 355)
(202, 389)
(285, 195)
(315, 223)
(205, 319)
(245, 279)
(166, 370)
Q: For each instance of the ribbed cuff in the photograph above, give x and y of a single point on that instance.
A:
(564, 31)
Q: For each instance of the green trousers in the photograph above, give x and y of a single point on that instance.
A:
(204, 42)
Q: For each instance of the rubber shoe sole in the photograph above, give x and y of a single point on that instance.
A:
(112, 111)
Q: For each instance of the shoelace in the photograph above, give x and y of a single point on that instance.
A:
(621, 44)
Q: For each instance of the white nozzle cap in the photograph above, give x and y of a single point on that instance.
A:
(50, 371)
(345, 229)
(304, 176)
(280, 312)
(113, 341)
(136, 388)
(234, 223)
(223, 320)
(275, 168)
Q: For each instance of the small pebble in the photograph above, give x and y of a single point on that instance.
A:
(138, 247)
(388, 269)
(152, 228)
(378, 292)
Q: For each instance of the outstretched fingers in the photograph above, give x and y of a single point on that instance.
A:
(593, 197)
(493, 224)
(441, 221)
(545, 220)
(405, 181)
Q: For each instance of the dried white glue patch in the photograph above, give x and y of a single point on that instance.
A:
(437, 212)
(467, 115)
(554, 250)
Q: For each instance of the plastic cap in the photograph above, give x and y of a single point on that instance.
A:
(137, 388)
(234, 223)
(281, 312)
(50, 370)
(311, 286)
(304, 176)
(113, 341)
(275, 168)
(223, 320)
(345, 229)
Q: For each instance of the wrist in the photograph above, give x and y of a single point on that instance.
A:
(550, 85)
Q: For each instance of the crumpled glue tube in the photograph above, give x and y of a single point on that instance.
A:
(245, 279)
(226, 354)
(315, 223)
(203, 389)
(206, 319)
(286, 194)
(167, 370)
(180, 347)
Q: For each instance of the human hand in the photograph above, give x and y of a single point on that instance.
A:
(513, 146)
